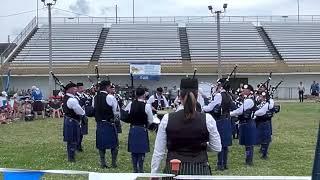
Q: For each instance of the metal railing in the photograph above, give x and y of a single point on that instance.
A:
(179, 19)
(18, 40)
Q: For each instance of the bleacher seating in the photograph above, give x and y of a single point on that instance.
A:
(297, 43)
(71, 44)
(240, 43)
(134, 43)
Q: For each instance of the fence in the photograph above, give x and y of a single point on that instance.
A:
(179, 19)
(18, 40)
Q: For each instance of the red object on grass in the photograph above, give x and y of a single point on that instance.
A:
(175, 165)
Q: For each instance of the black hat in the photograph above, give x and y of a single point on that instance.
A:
(189, 83)
(159, 89)
(79, 84)
(140, 92)
(105, 83)
(248, 86)
(221, 81)
(70, 85)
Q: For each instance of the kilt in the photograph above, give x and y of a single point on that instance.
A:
(247, 133)
(263, 132)
(118, 126)
(38, 106)
(71, 130)
(187, 168)
(84, 125)
(270, 122)
(138, 140)
(106, 135)
(225, 131)
(234, 125)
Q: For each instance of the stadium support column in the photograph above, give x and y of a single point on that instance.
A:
(50, 50)
(219, 45)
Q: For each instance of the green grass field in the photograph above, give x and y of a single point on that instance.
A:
(38, 145)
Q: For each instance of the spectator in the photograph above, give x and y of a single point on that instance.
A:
(314, 89)
(38, 106)
(301, 90)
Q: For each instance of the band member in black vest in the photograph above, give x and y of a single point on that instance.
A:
(140, 117)
(106, 134)
(263, 117)
(185, 134)
(73, 114)
(84, 120)
(219, 108)
(247, 126)
(158, 101)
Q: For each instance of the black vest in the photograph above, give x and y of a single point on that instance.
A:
(67, 111)
(187, 139)
(266, 117)
(247, 115)
(226, 104)
(138, 116)
(155, 104)
(102, 110)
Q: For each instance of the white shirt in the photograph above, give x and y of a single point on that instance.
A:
(161, 141)
(247, 104)
(147, 110)
(152, 99)
(111, 101)
(216, 100)
(73, 104)
(200, 99)
(263, 110)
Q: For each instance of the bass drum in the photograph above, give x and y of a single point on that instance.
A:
(156, 121)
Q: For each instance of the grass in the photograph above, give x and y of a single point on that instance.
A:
(38, 145)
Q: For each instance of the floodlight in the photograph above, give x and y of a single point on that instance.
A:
(225, 6)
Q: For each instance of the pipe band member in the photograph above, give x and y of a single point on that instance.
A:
(140, 117)
(105, 106)
(73, 114)
(186, 135)
(247, 126)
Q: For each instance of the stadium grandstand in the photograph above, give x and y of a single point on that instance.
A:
(258, 45)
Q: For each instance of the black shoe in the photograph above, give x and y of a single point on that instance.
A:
(104, 166)
(225, 167)
(249, 163)
(264, 157)
(114, 165)
(219, 168)
(72, 160)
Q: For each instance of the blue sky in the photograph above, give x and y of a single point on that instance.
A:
(14, 24)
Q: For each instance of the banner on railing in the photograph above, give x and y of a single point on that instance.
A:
(145, 71)
(24, 174)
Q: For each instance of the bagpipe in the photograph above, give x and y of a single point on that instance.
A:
(57, 81)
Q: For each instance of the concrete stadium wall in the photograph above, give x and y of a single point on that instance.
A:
(288, 90)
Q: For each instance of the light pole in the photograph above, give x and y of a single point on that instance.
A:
(219, 36)
(298, 10)
(133, 11)
(49, 5)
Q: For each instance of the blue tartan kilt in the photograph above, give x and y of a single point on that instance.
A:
(234, 125)
(263, 132)
(225, 130)
(138, 140)
(106, 135)
(270, 122)
(84, 129)
(247, 133)
(71, 130)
